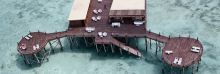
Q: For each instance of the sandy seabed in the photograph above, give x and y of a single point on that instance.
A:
(197, 18)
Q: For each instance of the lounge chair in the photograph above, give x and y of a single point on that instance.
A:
(27, 38)
(116, 24)
(168, 52)
(30, 36)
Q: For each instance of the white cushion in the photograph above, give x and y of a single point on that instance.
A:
(104, 33)
(168, 51)
(27, 38)
(98, 17)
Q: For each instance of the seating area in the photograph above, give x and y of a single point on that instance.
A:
(102, 34)
(37, 46)
(177, 61)
(23, 46)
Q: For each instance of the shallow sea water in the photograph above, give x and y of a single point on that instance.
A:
(197, 18)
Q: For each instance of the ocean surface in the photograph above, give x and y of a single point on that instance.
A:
(197, 18)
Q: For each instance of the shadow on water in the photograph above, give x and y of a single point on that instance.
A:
(101, 55)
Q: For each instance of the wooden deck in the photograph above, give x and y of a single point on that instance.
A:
(180, 46)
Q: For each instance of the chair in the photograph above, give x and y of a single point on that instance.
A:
(180, 61)
(37, 46)
(104, 34)
(98, 17)
(100, 34)
(175, 60)
(94, 19)
(99, 10)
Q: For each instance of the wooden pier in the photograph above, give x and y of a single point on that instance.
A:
(32, 46)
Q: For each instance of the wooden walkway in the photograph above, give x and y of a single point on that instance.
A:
(181, 46)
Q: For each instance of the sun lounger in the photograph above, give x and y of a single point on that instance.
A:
(168, 52)
(99, 1)
(90, 29)
(30, 36)
(116, 24)
(138, 23)
(27, 38)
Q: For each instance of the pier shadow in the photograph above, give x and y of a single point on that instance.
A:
(101, 55)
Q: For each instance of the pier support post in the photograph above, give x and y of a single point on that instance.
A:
(96, 47)
(197, 69)
(146, 44)
(136, 42)
(35, 56)
(61, 46)
(183, 71)
(70, 41)
(75, 42)
(26, 61)
(193, 68)
(104, 47)
(159, 46)
(150, 43)
(51, 47)
(120, 49)
(126, 39)
(112, 48)
(85, 41)
(156, 46)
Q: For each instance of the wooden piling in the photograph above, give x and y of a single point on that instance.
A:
(112, 48)
(51, 47)
(61, 46)
(35, 56)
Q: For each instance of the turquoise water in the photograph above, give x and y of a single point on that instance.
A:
(199, 18)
